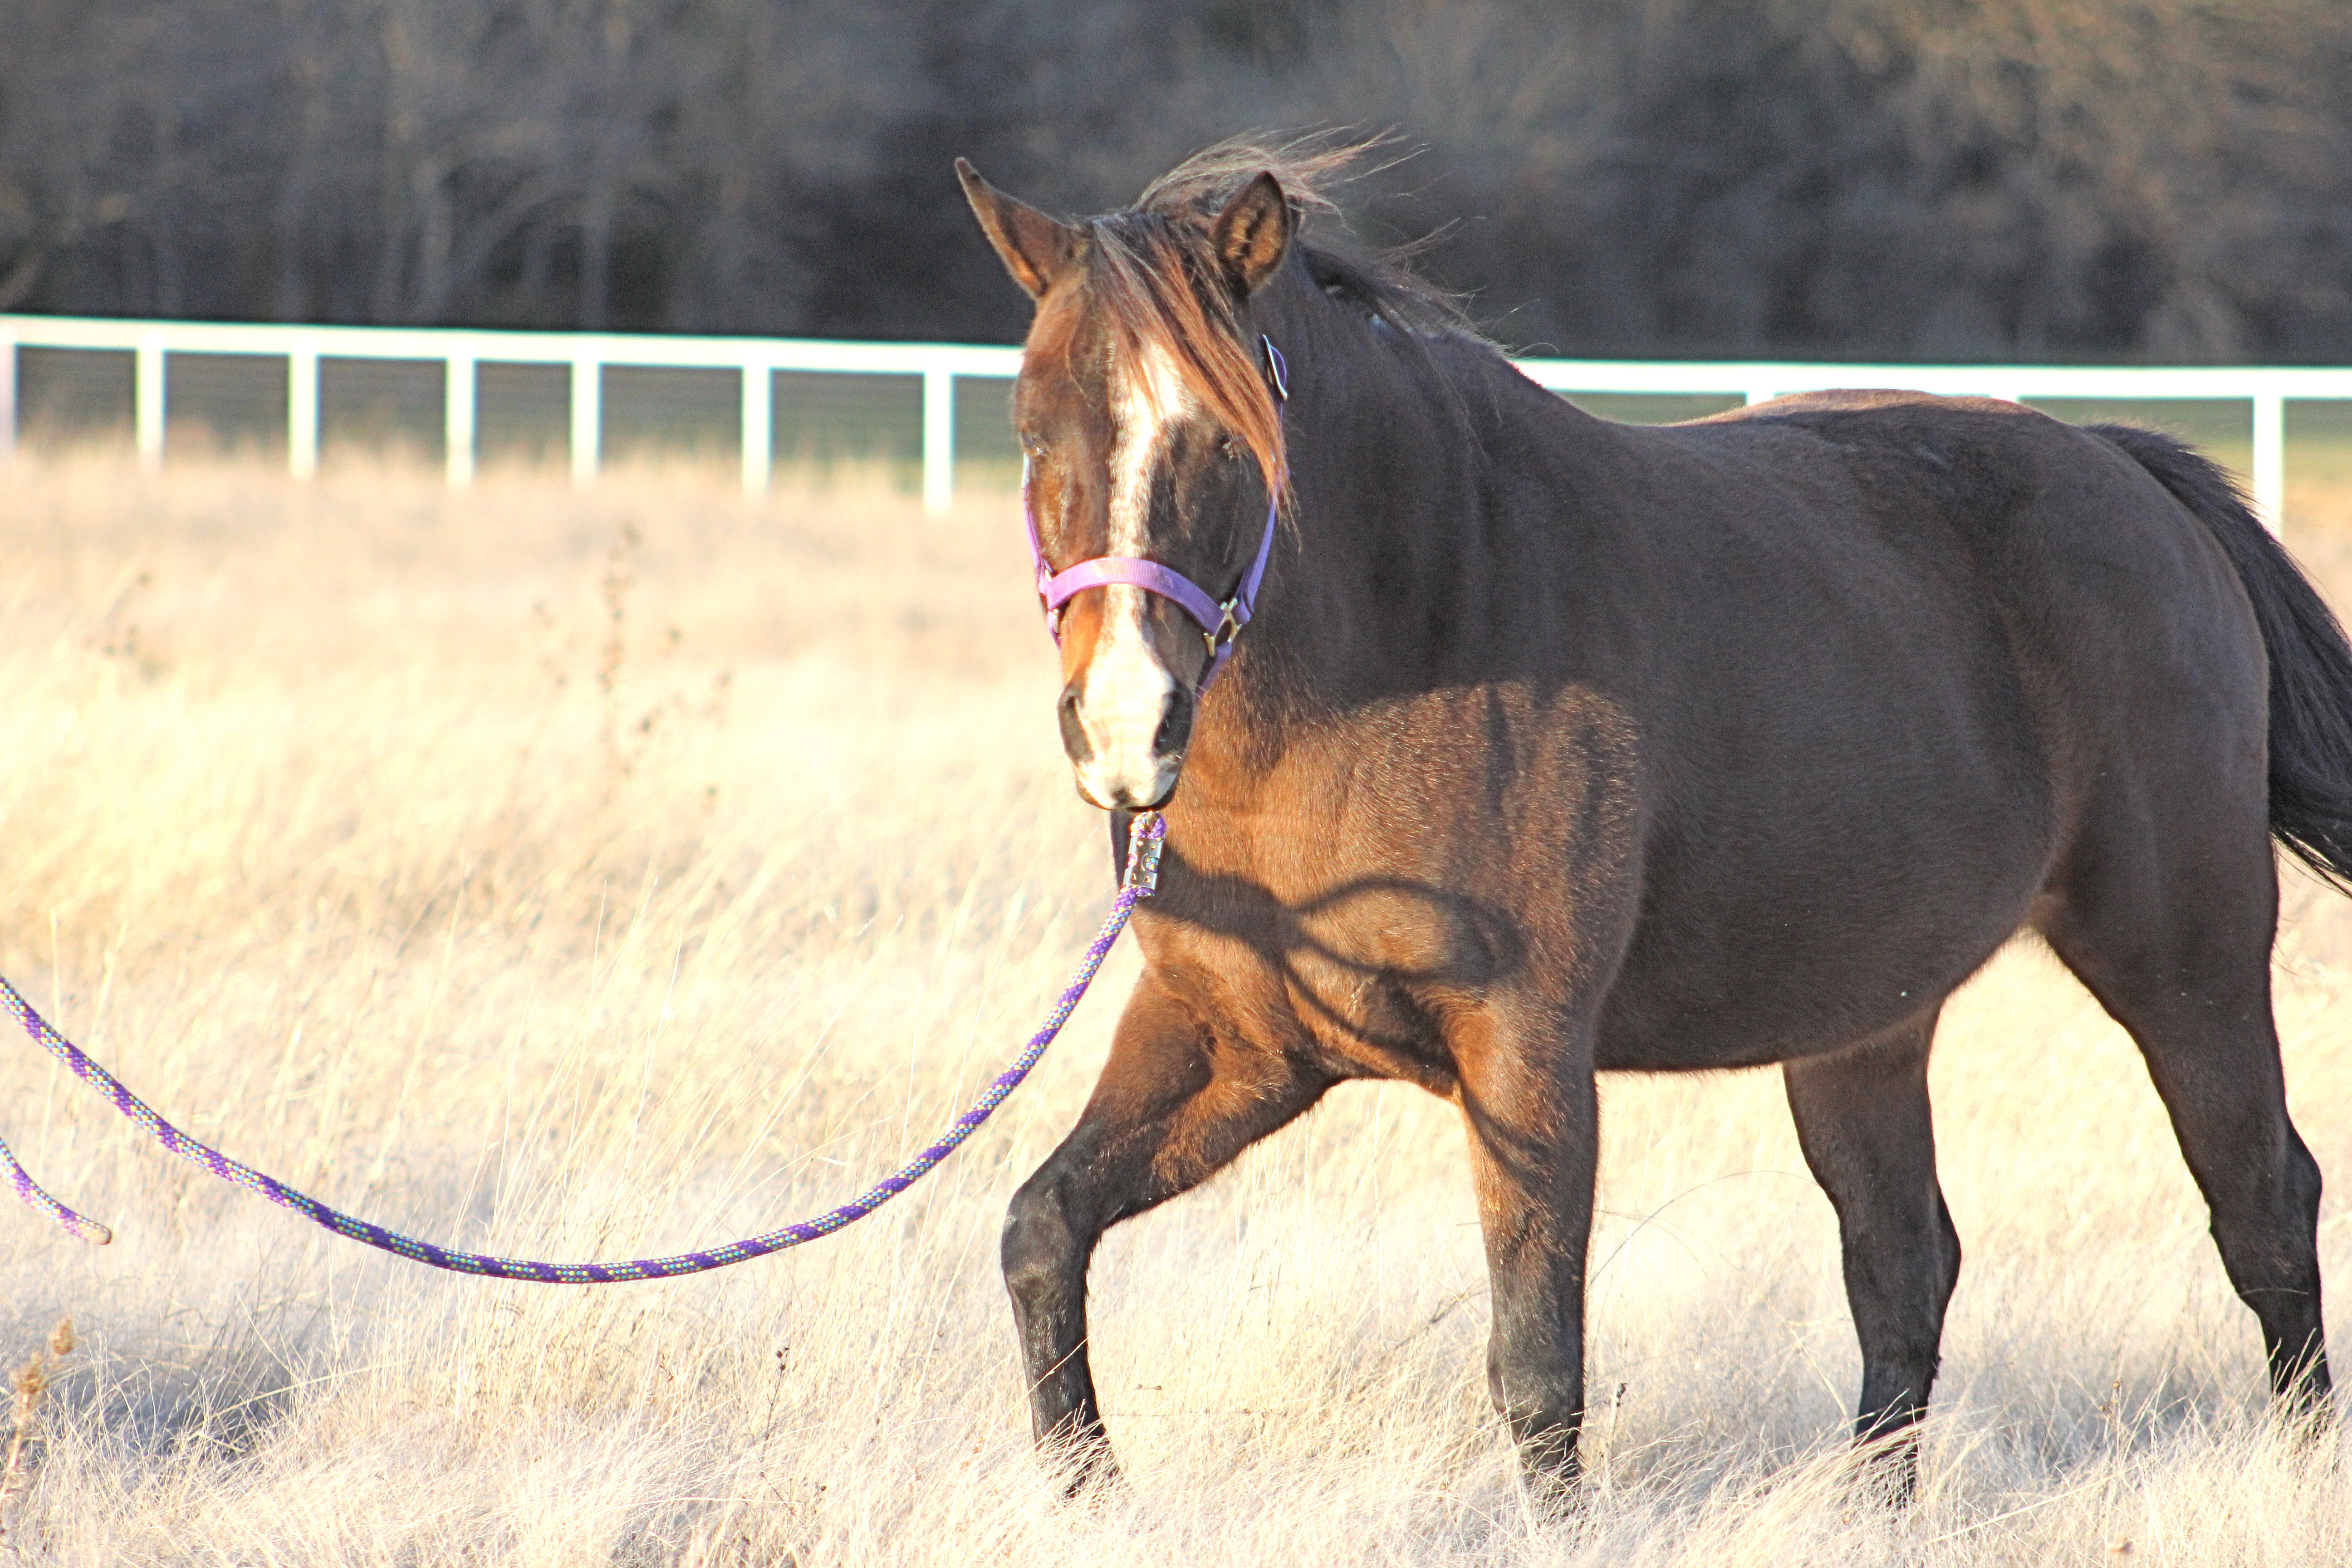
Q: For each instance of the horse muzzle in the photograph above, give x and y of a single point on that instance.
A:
(1126, 740)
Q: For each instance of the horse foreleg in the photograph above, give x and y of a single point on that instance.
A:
(1528, 1102)
(1174, 1105)
(1863, 1120)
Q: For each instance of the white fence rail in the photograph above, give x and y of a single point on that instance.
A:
(2267, 389)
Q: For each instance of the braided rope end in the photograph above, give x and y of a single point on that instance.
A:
(79, 1227)
(82, 1228)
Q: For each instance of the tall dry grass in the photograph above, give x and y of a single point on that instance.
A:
(606, 872)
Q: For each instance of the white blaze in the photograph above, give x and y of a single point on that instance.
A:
(1127, 688)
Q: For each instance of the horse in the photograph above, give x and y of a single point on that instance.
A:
(1553, 746)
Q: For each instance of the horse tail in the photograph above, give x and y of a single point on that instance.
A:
(2311, 664)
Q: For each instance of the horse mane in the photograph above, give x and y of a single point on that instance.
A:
(1152, 271)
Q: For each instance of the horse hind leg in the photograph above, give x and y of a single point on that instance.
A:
(1863, 1120)
(2186, 970)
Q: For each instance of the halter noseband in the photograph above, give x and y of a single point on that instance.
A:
(1220, 621)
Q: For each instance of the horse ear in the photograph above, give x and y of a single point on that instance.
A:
(1036, 248)
(1252, 233)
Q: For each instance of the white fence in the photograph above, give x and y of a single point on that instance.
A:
(755, 359)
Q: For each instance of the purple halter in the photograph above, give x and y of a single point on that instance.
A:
(1220, 622)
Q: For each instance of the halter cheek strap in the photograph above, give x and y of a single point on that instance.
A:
(1220, 621)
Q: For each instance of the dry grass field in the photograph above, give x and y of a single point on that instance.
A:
(610, 872)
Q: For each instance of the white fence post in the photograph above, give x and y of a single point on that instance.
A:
(302, 407)
(938, 439)
(148, 393)
(2270, 459)
(457, 435)
(587, 417)
(759, 426)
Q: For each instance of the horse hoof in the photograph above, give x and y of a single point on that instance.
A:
(1555, 1483)
(1887, 1468)
(1085, 1465)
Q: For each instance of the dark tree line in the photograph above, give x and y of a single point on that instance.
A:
(2163, 179)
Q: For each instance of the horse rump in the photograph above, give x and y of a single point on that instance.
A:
(2310, 661)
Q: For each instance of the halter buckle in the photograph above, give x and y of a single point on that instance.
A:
(1228, 625)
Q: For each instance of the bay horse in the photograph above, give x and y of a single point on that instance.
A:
(1554, 746)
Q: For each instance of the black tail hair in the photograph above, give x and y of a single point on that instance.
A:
(2311, 664)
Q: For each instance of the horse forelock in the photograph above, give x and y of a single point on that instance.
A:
(1150, 295)
(1153, 278)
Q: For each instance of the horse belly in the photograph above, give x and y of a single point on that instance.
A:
(1798, 908)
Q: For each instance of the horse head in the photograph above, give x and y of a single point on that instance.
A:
(1148, 410)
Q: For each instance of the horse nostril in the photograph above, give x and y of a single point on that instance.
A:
(1073, 733)
(1175, 729)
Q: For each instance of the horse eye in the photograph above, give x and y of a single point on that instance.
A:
(1228, 448)
(1034, 445)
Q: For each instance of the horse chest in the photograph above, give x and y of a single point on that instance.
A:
(1349, 974)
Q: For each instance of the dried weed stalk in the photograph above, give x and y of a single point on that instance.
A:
(32, 1384)
(620, 576)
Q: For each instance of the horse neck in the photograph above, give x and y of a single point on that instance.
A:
(1389, 516)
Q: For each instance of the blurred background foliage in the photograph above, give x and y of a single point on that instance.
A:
(1947, 179)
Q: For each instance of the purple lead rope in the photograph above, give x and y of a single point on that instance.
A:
(1141, 877)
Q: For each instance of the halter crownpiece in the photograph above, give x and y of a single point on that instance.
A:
(1220, 620)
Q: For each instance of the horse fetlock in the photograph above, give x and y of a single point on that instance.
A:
(1893, 1401)
(1549, 1455)
(1544, 1412)
(2300, 1382)
(1080, 1445)
(1887, 1463)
